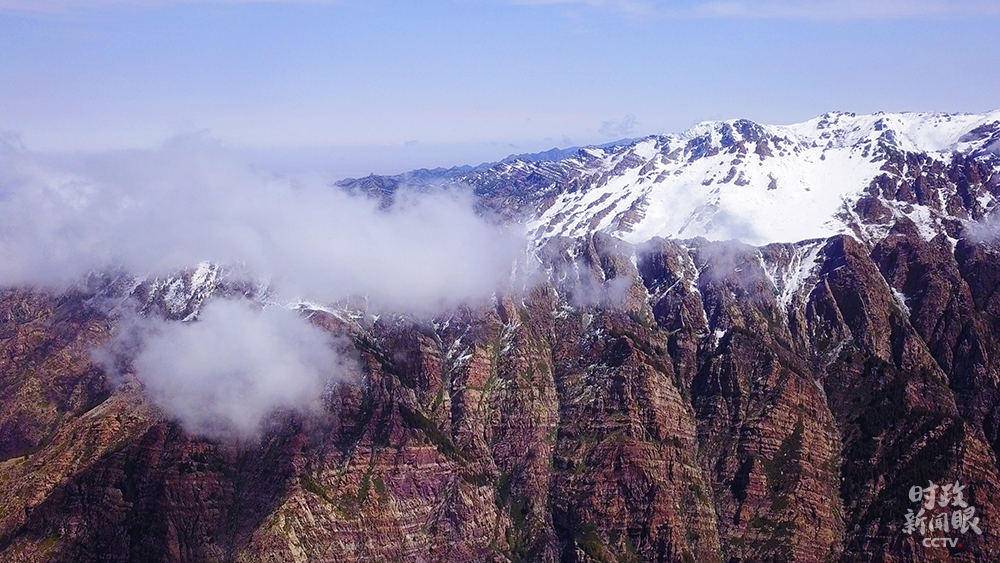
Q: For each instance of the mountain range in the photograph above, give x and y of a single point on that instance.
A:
(743, 343)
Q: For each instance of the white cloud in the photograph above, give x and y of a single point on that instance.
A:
(845, 9)
(756, 9)
(61, 6)
(789, 9)
(155, 212)
(629, 7)
(223, 375)
(619, 129)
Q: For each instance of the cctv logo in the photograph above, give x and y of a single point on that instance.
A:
(940, 509)
(941, 542)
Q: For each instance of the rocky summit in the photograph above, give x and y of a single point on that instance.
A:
(744, 343)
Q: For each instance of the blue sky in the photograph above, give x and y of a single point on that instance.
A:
(385, 86)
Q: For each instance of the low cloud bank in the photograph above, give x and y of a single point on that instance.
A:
(156, 212)
(223, 375)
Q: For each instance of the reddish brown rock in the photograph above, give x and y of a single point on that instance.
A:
(679, 402)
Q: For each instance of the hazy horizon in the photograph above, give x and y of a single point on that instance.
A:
(348, 88)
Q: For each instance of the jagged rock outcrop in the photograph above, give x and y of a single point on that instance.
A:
(679, 401)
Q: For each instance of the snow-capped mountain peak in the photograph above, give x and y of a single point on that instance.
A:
(915, 132)
(758, 183)
(737, 179)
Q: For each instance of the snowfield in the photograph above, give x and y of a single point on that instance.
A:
(755, 183)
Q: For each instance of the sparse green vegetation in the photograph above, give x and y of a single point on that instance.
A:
(785, 469)
(441, 441)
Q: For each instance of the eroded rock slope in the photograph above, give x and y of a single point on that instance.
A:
(673, 401)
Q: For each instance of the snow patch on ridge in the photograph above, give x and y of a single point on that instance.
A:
(789, 279)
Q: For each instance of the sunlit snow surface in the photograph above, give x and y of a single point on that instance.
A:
(800, 184)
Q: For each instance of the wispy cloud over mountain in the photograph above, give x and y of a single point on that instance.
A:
(152, 212)
(222, 375)
(619, 129)
(155, 212)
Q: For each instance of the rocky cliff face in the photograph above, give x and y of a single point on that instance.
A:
(690, 401)
(669, 400)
